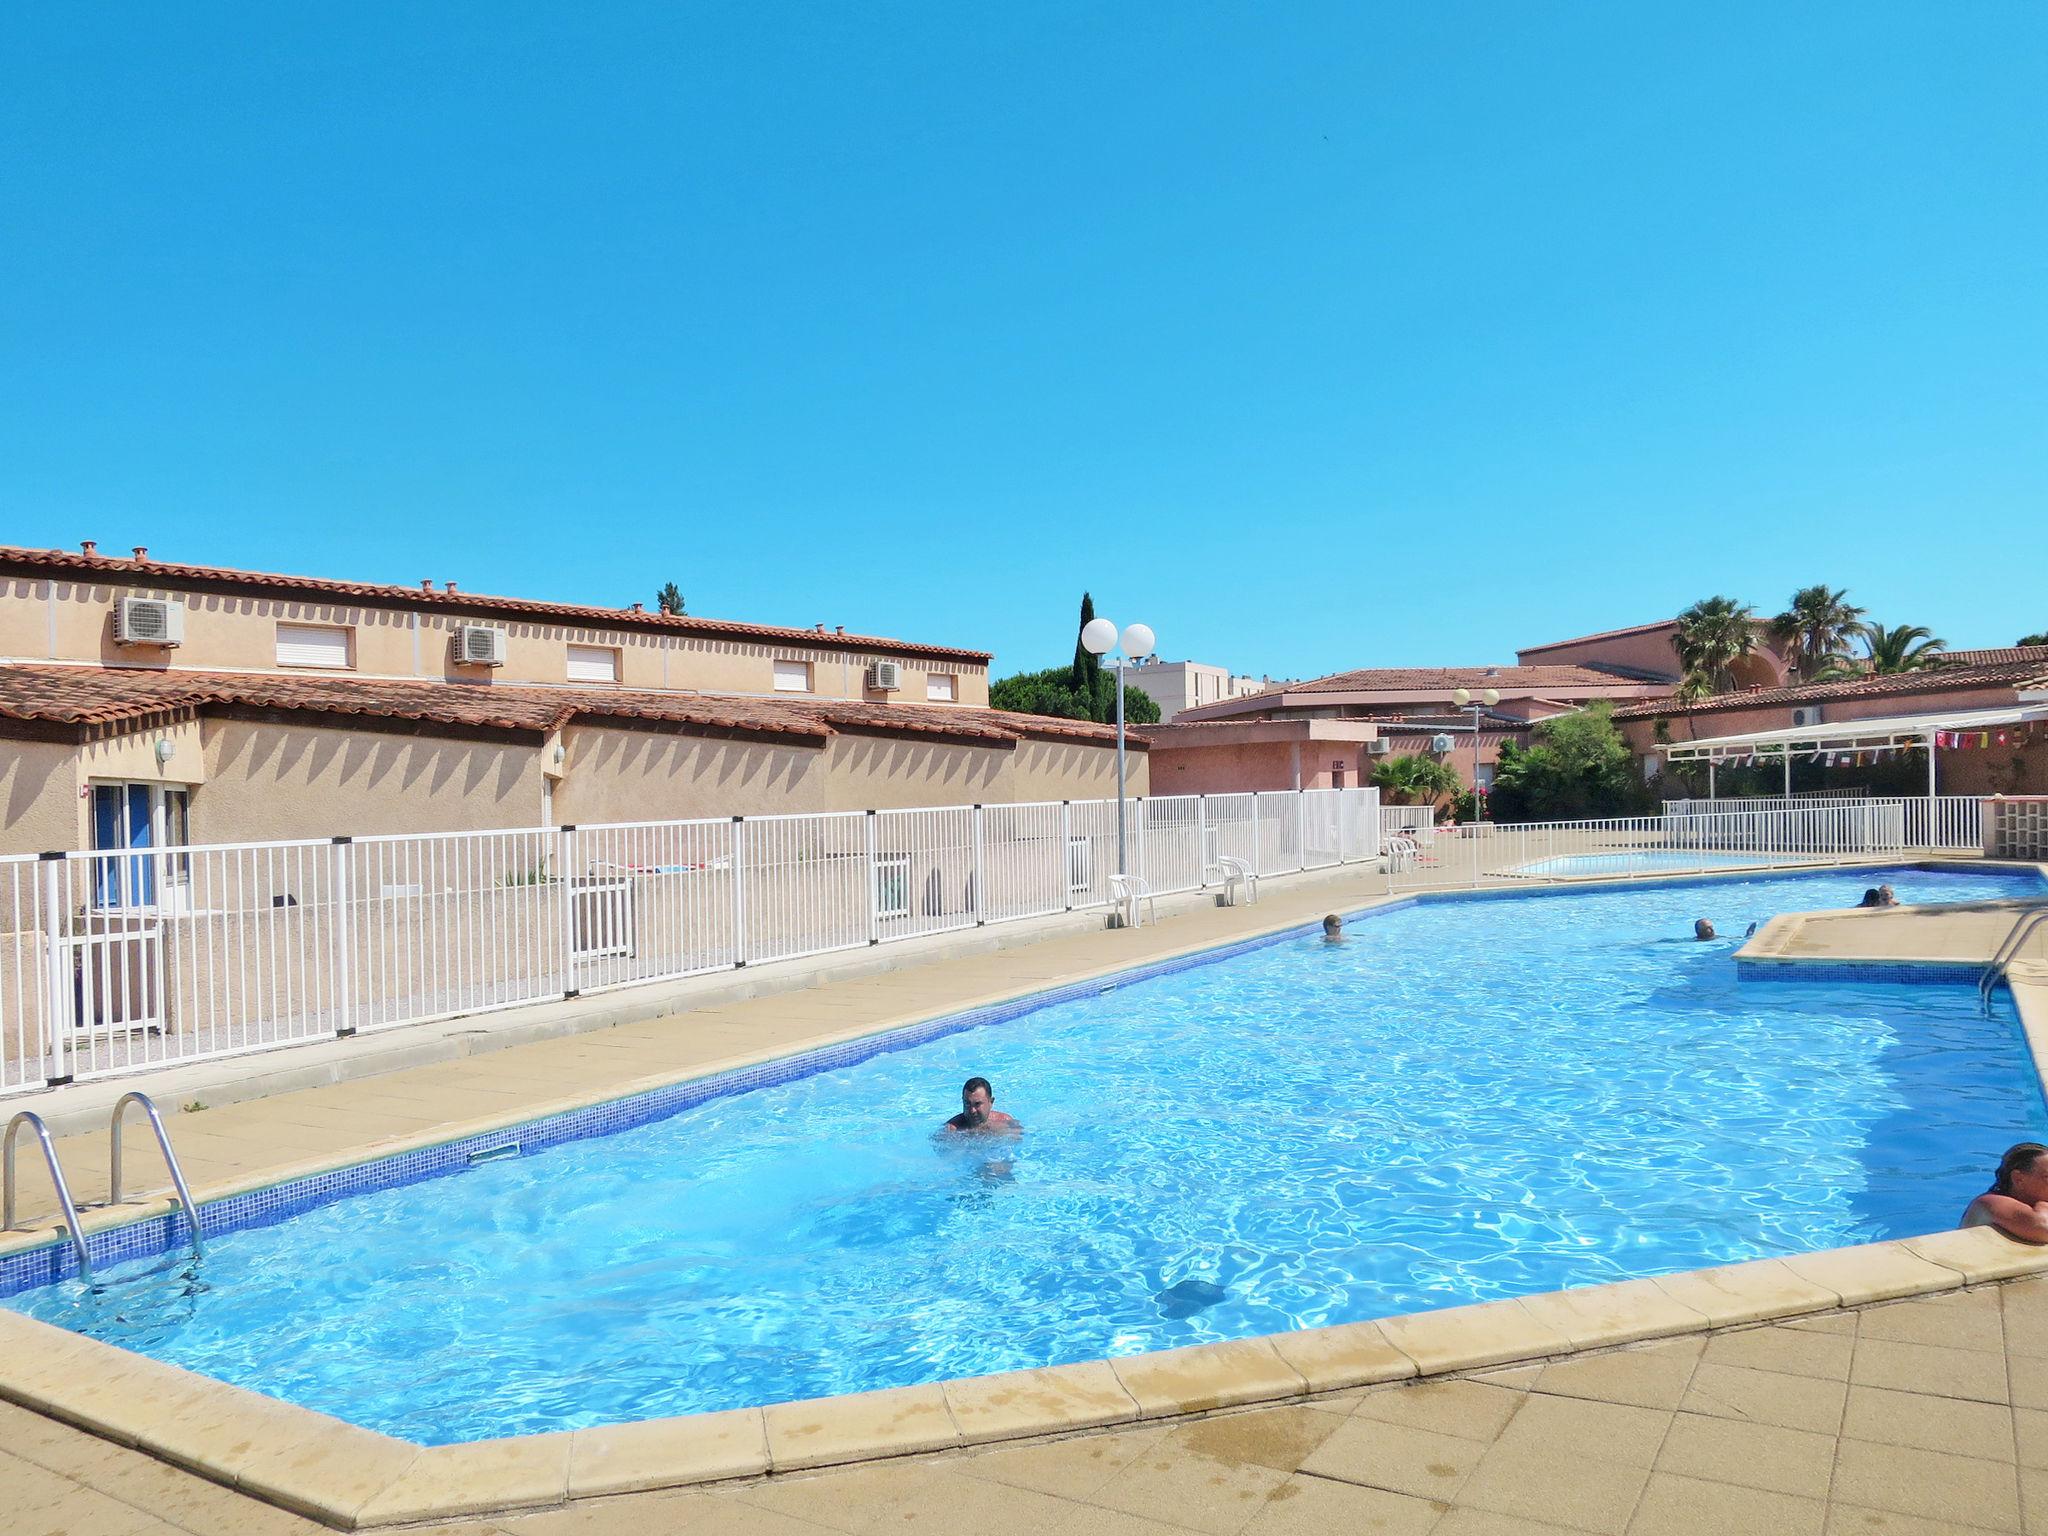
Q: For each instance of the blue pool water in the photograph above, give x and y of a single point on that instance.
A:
(1649, 861)
(1466, 1100)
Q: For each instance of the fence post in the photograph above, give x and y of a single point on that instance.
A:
(1301, 827)
(1255, 833)
(565, 852)
(57, 1002)
(1201, 842)
(980, 894)
(739, 892)
(344, 940)
(1067, 854)
(874, 883)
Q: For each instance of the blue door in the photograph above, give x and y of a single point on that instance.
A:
(123, 821)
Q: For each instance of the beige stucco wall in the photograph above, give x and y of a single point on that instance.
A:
(73, 621)
(623, 775)
(39, 804)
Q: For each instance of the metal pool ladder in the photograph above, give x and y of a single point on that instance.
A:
(2008, 948)
(163, 1142)
(64, 1202)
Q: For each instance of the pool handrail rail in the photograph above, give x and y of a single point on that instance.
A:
(2008, 948)
(163, 1142)
(65, 1205)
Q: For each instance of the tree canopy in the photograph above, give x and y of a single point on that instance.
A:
(1576, 766)
(669, 599)
(1713, 635)
(1083, 690)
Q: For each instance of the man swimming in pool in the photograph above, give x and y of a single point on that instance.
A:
(2017, 1201)
(1703, 930)
(978, 1113)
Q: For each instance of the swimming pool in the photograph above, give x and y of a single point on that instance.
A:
(1655, 861)
(1470, 1098)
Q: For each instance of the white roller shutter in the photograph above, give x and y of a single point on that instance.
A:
(593, 664)
(312, 645)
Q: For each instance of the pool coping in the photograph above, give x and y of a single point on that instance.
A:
(352, 1478)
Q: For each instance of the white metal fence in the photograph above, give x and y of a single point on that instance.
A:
(1941, 822)
(1688, 841)
(121, 962)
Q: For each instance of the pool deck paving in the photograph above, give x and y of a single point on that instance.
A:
(1896, 1419)
(1885, 1416)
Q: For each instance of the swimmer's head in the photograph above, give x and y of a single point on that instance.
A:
(1332, 926)
(1702, 930)
(2023, 1172)
(976, 1100)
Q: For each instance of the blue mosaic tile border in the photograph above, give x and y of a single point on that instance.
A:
(1911, 973)
(148, 1238)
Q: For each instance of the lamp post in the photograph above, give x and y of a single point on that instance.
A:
(1462, 697)
(1098, 636)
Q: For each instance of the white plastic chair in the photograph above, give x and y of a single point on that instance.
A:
(1234, 873)
(1126, 892)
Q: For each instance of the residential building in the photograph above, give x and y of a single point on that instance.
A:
(147, 702)
(1176, 686)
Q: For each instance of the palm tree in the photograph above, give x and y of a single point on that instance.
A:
(1414, 779)
(1714, 634)
(1903, 648)
(1818, 625)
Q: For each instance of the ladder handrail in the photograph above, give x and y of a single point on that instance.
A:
(2001, 958)
(65, 1204)
(163, 1142)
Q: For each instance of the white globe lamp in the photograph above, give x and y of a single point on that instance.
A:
(1138, 641)
(1098, 635)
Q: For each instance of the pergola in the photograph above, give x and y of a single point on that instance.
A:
(1885, 734)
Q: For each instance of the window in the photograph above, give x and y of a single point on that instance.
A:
(312, 645)
(136, 819)
(939, 687)
(892, 885)
(593, 664)
(792, 677)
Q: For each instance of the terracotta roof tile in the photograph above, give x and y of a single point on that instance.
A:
(85, 696)
(2030, 668)
(15, 559)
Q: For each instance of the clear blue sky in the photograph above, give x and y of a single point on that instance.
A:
(1315, 335)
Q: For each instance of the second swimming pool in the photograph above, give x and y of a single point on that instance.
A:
(1468, 1099)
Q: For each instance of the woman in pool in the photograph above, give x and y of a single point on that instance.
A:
(2017, 1201)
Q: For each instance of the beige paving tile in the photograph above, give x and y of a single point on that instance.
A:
(82, 1512)
(1206, 1377)
(1749, 1455)
(1484, 1522)
(470, 1478)
(2027, 1380)
(1471, 1410)
(1280, 1438)
(938, 1503)
(1650, 1377)
(1071, 1468)
(1767, 1397)
(1216, 1497)
(1353, 1355)
(1825, 1322)
(2030, 1436)
(1038, 1402)
(824, 1430)
(1597, 1496)
(2025, 1314)
(1929, 1368)
(1791, 1351)
(1682, 1506)
(1874, 1272)
(1573, 1429)
(1596, 1316)
(851, 1498)
(667, 1453)
(1314, 1506)
(1960, 1320)
(1850, 1520)
(1465, 1338)
(1934, 1486)
(1732, 1294)
(1417, 1462)
(1954, 1425)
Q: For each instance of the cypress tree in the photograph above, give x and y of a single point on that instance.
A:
(1094, 690)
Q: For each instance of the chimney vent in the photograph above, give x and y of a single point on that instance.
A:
(141, 552)
(821, 626)
(89, 547)
(450, 585)
(842, 629)
(426, 583)
(639, 608)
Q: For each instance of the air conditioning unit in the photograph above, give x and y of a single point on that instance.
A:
(886, 676)
(1379, 746)
(149, 621)
(1439, 743)
(1806, 714)
(479, 645)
